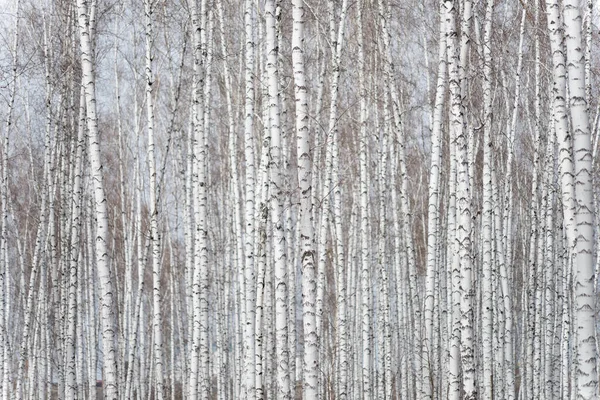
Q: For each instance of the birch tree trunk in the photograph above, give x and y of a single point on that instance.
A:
(199, 365)
(4, 196)
(276, 209)
(249, 273)
(456, 126)
(154, 234)
(565, 163)
(75, 259)
(487, 217)
(307, 255)
(102, 237)
(433, 216)
(584, 282)
(365, 287)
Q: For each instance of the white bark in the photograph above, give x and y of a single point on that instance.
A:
(487, 218)
(365, 272)
(4, 196)
(157, 344)
(384, 351)
(199, 364)
(249, 274)
(559, 114)
(433, 214)
(340, 259)
(307, 255)
(260, 246)
(453, 209)
(550, 302)
(103, 266)
(585, 291)
(463, 200)
(276, 209)
(73, 310)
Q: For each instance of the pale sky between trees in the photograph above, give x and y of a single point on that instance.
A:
(299, 199)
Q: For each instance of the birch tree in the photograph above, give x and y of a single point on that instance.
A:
(4, 196)
(585, 303)
(311, 340)
(249, 272)
(365, 288)
(487, 306)
(275, 189)
(101, 241)
(433, 212)
(154, 234)
(199, 371)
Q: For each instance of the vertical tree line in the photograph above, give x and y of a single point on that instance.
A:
(211, 199)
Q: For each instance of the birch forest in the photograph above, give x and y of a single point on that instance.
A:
(299, 199)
